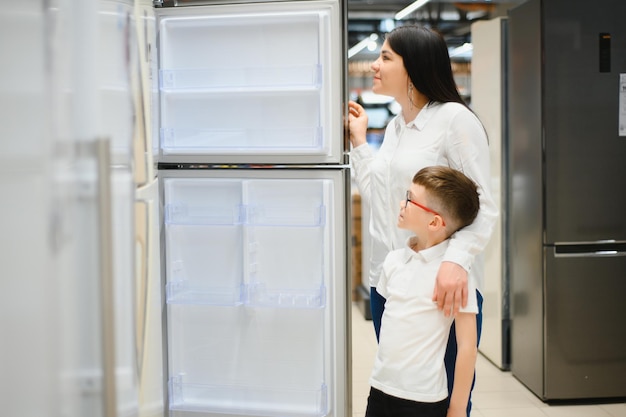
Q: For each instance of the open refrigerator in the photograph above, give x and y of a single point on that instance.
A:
(188, 211)
(253, 187)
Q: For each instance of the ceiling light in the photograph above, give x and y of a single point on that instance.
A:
(410, 9)
(464, 50)
(369, 43)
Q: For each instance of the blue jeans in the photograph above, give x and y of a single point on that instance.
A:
(377, 305)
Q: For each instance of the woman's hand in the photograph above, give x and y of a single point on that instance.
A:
(357, 122)
(451, 288)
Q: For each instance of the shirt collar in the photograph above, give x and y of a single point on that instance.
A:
(426, 255)
(419, 122)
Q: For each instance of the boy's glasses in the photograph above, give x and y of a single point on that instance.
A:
(408, 200)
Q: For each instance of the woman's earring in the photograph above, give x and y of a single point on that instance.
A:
(410, 96)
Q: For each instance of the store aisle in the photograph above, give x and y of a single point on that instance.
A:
(497, 393)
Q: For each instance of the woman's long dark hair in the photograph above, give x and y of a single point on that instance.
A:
(426, 59)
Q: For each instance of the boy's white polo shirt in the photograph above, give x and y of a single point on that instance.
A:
(414, 333)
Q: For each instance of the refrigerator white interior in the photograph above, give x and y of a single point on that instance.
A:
(248, 271)
(235, 95)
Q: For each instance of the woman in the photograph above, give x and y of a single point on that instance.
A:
(435, 127)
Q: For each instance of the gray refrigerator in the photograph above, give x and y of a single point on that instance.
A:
(567, 229)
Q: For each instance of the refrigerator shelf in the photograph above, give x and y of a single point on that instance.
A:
(199, 141)
(292, 215)
(247, 400)
(182, 292)
(259, 295)
(253, 295)
(242, 78)
(179, 214)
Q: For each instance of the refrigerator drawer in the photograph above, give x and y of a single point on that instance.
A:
(251, 83)
(244, 360)
(584, 330)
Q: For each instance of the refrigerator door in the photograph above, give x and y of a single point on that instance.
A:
(584, 345)
(30, 297)
(585, 53)
(251, 83)
(255, 271)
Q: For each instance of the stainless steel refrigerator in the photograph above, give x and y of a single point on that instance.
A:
(567, 234)
(253, 188)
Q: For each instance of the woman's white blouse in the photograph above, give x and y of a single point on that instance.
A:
(441, 134)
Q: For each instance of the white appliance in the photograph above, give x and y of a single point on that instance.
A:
(67, 220)
(253, 186)
(215, 285)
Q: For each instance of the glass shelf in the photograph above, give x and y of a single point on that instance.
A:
(182, 292)
(254, 295)
(292, 215)
(222, 79)
(183, 214)
(190, 140)
(260, 295)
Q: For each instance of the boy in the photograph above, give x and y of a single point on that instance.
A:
(409, 377)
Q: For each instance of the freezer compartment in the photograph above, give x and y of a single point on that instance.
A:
(273, 233)
(584, 330)
(273, 97)
(245, 360)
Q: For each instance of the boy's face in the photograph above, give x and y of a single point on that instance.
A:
(415, 215)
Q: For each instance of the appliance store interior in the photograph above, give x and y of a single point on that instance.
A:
(183, 235)
(534, 342)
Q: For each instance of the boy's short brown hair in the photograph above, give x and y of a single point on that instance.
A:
(451, 193)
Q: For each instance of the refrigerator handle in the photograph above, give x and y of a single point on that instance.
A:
(590, 250)
(106, 276)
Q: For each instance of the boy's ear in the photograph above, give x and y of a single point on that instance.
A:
(436, 222)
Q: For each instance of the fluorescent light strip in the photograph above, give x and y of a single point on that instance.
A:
(463, 49)
(410, 9)
(362, 45)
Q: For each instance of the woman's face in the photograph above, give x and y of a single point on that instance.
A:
(390, 76)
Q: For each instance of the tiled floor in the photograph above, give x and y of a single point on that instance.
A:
(496, 394)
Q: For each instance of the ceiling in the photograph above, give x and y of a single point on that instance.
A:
(452, 18)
